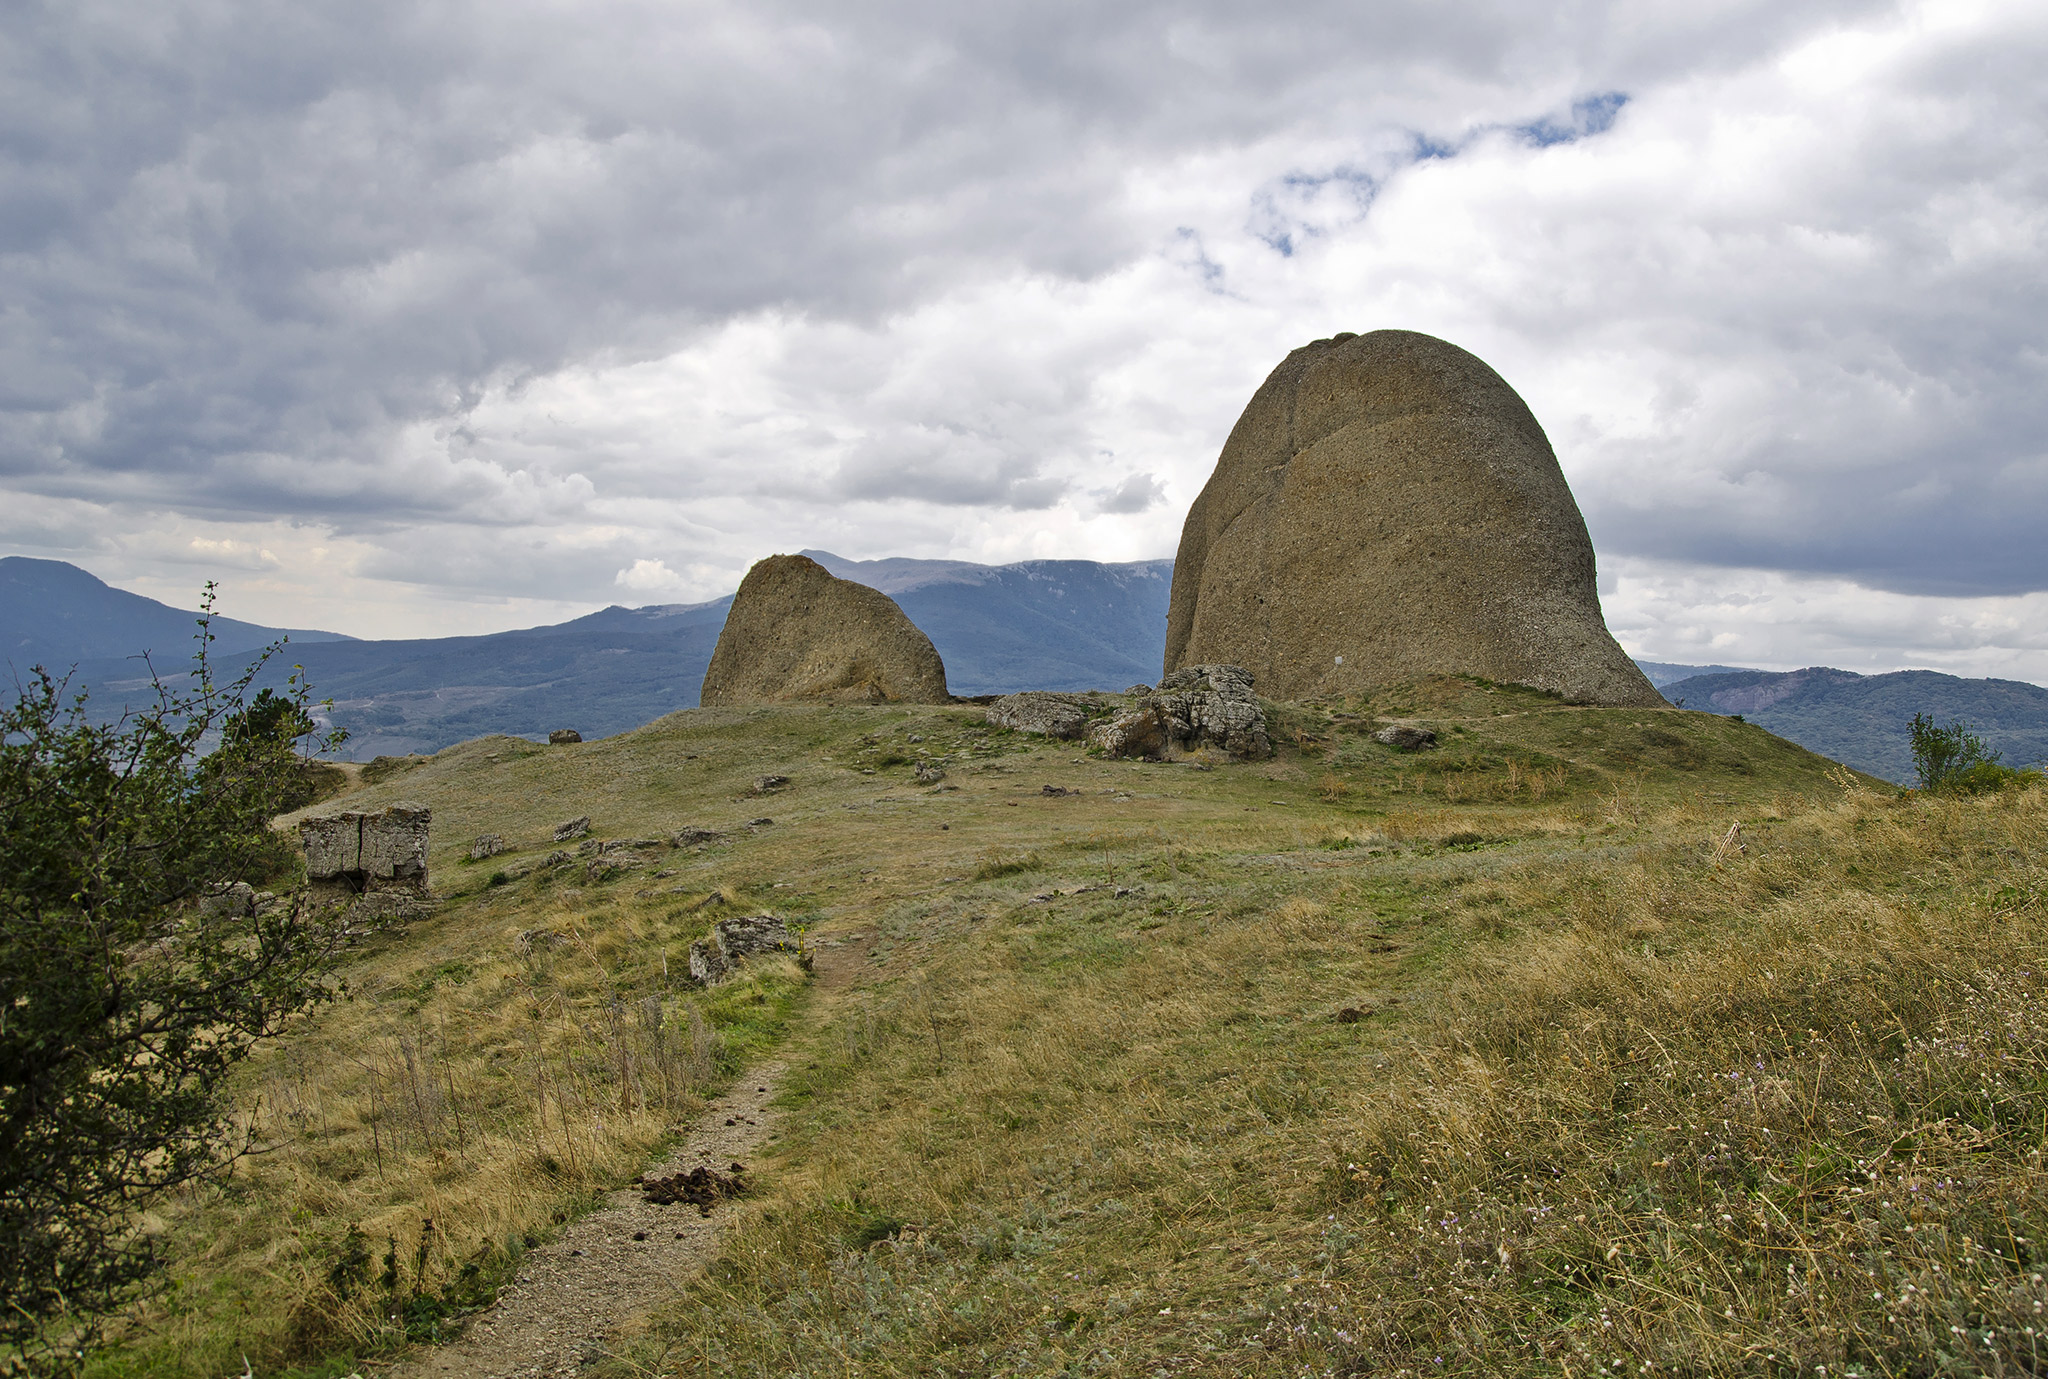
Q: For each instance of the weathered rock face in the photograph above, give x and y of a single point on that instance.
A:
(797, 632)
(1196, 707)
(1387, 508)
(1063, 716)
(354, 855)
(713, 959)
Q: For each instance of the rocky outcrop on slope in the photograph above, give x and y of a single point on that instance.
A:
(714, 959)
(1197, 707)
(1063, 716)
(795, 632)
(1387, 508)
(372, 862)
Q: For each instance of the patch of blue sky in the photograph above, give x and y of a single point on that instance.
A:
(1588, 116)
(1304, 205)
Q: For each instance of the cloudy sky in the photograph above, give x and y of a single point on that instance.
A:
(404, 318)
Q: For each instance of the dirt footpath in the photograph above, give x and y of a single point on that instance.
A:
(573, 1293)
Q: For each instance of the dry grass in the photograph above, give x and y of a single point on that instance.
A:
(1109, 1053)
(1777, 1111)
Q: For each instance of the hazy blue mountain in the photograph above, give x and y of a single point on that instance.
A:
(1037, 624)
(1664, 673)
(1862, 719)
(1040, 624)
(54, 614)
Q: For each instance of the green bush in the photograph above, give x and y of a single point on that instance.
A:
(1954, 758)
(128, 990)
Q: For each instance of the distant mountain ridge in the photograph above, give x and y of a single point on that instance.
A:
(1036, 624)
(1863, 719)
(54, 614)
(1664, 673)
(1033, 624)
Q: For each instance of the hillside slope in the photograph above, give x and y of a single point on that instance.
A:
(1545, 1050)
(1863, 719)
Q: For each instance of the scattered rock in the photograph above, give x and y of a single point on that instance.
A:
(796, 632)
(930, 772)
(559, 858)
(1387, 508)
(486, 845)
(1056, 790)
(695, 837)
(1137, 690)
(768, 785)
(575, 828)
(563, 735)
(606, 865)
(1039, 711)
(1406, 737)
(1193, 708)
(759, 823)
(712, 959)
(235, 899)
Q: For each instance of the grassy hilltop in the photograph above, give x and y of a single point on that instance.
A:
(1590, 1038)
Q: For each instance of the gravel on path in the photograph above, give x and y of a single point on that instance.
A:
(573, 1293)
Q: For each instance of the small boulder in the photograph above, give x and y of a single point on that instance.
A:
(573, 829)
(1405, 737)
(694, 836)
(713, 959)
(930, 772)
(486, 845)
(1038, 711)
(562, 735)
(768, 785)
(236, 900)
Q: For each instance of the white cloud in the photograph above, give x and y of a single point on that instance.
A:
(459, 328)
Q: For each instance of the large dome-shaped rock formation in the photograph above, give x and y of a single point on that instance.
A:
(797, 632)
(1387, 508)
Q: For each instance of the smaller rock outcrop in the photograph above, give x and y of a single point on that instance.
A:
(563, 735)
(1206, 706)
(1063, 716)
(237, 900)
(574, 828)
(713, 959)
(486, 845)
(380, 858)
(1406, 737)
(797, 632)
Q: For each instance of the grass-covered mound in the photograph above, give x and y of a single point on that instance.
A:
(1591, 1036)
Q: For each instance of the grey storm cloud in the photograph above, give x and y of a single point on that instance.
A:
(251, 252)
